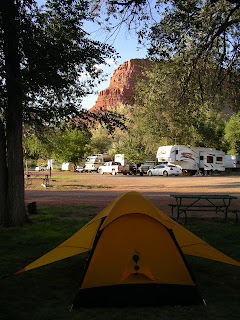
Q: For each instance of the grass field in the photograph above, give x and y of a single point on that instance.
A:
(63, 182)
(47, 292)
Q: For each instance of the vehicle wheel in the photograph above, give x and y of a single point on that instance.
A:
(165, 174)
(141, 174)
(113, 172)
(150, 173)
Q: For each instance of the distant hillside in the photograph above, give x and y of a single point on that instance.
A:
(121, 85)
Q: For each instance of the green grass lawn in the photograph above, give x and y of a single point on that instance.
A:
(47, 292)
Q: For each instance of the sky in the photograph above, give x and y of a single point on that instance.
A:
(127, 47)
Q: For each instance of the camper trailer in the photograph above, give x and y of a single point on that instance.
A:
(94, 161)
(232, 161)
(193, 159)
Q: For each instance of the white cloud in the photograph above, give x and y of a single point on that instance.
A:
(110, 61)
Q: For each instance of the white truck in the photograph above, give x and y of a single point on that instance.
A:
(111, 167)
(114, 167)
(192, 159)
(94, 161)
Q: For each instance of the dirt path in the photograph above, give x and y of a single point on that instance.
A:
(71, 188)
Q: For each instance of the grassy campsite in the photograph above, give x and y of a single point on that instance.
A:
(48, 292)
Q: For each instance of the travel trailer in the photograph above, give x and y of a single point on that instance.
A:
(193, 159)
(232, 161)
(94, 161)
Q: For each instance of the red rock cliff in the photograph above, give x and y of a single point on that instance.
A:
(121, 85)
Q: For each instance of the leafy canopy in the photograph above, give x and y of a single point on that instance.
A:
(232, 133)
(58, 59)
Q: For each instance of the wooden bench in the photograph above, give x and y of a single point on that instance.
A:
(196, 207)
(45, 181)
(28, 179)
(235, 211)
(199, 208)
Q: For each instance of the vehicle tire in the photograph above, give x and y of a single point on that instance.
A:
(165, 173)
(150, 173)
(113, 172)
(141, 174)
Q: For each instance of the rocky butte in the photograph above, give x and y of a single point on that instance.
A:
(121, 85)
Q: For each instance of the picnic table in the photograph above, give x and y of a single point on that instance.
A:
(218, 203)
(30, 175)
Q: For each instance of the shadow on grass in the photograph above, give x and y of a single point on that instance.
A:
(47, 292)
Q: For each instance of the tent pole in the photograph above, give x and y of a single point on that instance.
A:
(98, 234)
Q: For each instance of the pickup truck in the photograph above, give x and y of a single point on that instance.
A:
(113, 168)
(143, 169)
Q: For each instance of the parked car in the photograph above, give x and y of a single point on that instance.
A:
(147, 165)
(80, 169)
(41, 168)
(165, 170)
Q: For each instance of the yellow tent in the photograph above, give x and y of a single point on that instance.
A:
(137, 252)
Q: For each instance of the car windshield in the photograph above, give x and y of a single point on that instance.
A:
(91, 159)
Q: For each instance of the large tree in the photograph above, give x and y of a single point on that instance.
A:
(70, 145)
(173, 111)
(232, 134)
(198, 44)
(198, 31)
(172, 26)
(43, 55)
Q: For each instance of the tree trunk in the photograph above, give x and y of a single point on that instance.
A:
(3, 177)
(15, 192)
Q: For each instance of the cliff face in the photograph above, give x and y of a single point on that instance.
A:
(121, 85)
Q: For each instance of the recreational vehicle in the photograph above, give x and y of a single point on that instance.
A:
(232, 161)
(94, 161)
(192, 159)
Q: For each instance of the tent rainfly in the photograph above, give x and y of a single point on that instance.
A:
(136, 256)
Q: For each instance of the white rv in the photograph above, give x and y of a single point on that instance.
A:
(95, 161)
(232, 161)
(192, 159)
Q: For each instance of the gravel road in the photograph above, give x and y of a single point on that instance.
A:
(107, 187)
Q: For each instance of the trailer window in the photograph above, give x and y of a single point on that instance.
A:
(219, 159)
(209, 159)
(201, 157)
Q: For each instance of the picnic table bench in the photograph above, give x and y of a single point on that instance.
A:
(218, 203)
(30, 175)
